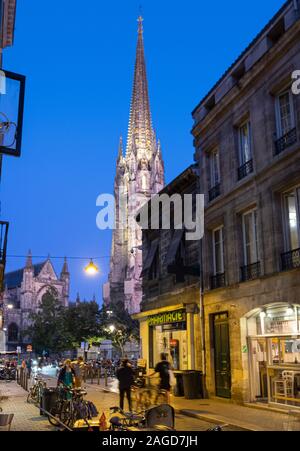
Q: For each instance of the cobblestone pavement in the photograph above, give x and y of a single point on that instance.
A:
(26, 416)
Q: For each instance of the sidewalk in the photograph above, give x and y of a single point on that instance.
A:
(26, 416)
(219, 411)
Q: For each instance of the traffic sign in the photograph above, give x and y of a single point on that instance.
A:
(19, 349)
(29, 348)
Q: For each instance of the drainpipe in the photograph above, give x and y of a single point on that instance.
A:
(202, 319)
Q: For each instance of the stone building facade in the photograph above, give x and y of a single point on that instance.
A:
(24, 290)
(139, 175)
(247, 139)
(169, 317)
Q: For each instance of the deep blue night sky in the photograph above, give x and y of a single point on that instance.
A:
(78, 58)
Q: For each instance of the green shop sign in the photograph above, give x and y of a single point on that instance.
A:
(178, 316)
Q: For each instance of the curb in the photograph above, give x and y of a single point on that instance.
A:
(220, 420)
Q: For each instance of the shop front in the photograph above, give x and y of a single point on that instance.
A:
(174, 331)
(273, 340)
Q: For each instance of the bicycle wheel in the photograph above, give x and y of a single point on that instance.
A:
(161, 397)
(135, 400)
(66, 413)
(31, 397)
(145, 399)
(54, 411)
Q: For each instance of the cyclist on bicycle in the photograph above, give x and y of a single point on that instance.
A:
(163, 368)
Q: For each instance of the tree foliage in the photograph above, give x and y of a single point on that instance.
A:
(118, 326)
(55, 328)
(47, 329)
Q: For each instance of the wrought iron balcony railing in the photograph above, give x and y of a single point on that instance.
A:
(214, 192)
(217, 281)
(245, 169)
(290, 260)
(250, 272)
(285, 141)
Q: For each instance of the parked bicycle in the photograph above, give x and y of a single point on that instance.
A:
(36, 391)
(70, 407)
(7, 374)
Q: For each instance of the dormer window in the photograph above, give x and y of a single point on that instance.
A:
(210, 104)
(239, 72)
(277, 32)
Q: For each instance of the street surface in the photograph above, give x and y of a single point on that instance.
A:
(27, 416)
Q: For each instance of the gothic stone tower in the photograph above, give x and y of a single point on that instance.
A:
(139, 174)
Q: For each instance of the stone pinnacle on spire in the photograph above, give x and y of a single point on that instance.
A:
(65, 268)
(29, 260)
(120, 153)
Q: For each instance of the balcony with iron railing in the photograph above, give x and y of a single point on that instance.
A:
(214, 192)
(285, 141)
(217, 281)
(290, 260)
(245, 169)
(250, 272)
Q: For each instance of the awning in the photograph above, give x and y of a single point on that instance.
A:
(150, 257)
(175, 243)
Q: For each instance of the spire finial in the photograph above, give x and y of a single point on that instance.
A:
(29, 260)
(140, 21)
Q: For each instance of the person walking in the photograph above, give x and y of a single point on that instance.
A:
(125, 377)
(78, 367)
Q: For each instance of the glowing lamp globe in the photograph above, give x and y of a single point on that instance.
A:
(91, 268)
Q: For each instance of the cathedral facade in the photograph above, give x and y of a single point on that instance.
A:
(139, 175)
(24, 291)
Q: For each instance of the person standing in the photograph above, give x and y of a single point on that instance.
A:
(125, 377)
(78, 367)
(65, 376)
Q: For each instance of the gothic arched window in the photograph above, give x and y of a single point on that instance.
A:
(13, 332)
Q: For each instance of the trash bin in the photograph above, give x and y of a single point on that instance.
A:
(193, 384)
(178, 389)
(48, 399)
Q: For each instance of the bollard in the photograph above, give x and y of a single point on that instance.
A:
(92, 376)
(98, 374)
(105, 377)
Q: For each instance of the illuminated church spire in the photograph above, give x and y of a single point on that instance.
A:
(140, 132)
(140, 174)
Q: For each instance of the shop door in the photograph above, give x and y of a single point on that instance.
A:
(222, 356)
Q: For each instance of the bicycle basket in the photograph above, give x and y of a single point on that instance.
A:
(163, 415)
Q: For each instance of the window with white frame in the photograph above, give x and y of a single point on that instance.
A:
(245, 151)
(218, 250)
(250, 240)
(292, 219)
(284, 113)
(214, 169)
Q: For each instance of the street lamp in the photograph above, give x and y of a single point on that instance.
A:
(10, 306)
(91, 268)
(12, 90)
(112, 328)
